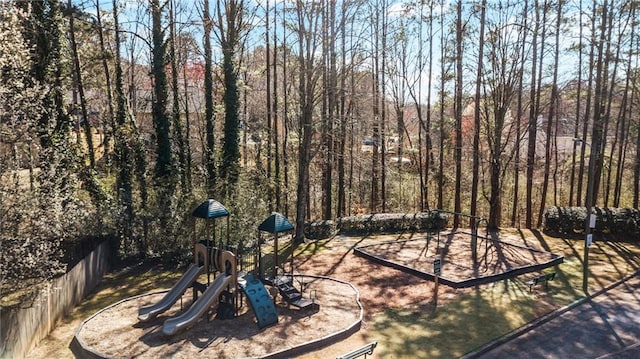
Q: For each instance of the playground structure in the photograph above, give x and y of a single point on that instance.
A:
(276, 224)
(232, 280)
(464, 258)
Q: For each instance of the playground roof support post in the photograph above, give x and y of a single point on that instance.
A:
(275, 224)
(211, 209)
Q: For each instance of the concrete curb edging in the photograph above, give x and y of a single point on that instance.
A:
(546, 318)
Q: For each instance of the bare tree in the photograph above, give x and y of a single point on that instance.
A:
(533, 121)
(626, 109)
(79, 84)
(376, 29)
(572, 180)
(519, 114)
(108, 88)
(550, 118)
(587, 107)
(458, 114)
(122, 151)
(209, 150)
(476, 121)
(307, 30)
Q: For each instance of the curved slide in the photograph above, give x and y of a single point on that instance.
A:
(150, 312)
(197, 309)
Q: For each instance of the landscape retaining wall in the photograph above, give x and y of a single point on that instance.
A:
(22, 328)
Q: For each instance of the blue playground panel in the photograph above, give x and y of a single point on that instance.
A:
(260, 301)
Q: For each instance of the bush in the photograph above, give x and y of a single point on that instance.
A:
(320, 229)
(568, 220)
(33, 231)
(393, 223)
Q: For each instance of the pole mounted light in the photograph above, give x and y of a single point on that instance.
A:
(590, 221)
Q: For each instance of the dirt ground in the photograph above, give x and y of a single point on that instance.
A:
(379, 287)
(493, 257)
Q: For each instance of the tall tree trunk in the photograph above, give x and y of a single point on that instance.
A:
(629, 98)
(86, 124)
(269, 103)
(187, 122)
(476, 124)
(383, 109)
(588, 110)
(177, 121)
(636, 174)
(597, 132)
(515, 210)
(376, 115)
(537, 103)
(572, 181)
(231, 26)
(122, 152)
(209, 119)
(424, 201)
(458, 116)
(276, 135)
(328, 108)
(622, 28)
(110, 123)
(343, 118)
(88, 175)
(306, 30)
(441, 136)
(533, 122)
(552, 112)
(161, 123)
(285, 114)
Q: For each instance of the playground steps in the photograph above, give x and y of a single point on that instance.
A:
(290, 294)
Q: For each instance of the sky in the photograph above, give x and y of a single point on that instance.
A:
(189, 13)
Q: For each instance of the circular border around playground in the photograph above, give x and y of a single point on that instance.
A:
(114, 331)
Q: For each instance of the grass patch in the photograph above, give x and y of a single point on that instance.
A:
(286, 250)
(122, 284)
(312, 247)
(488, 312)
(460, 326)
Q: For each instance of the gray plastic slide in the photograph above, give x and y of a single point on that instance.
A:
(150, 312)
(197, 309)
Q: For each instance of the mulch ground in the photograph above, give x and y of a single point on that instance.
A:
(457, 265)
(116, 332)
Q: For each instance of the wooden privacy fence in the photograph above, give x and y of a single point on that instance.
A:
(22, 328)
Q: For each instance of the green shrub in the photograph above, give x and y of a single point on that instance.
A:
(320, 229)
(568, 220)
(393, 223)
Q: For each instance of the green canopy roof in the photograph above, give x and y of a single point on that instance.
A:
(210, 209)
(275, 223)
